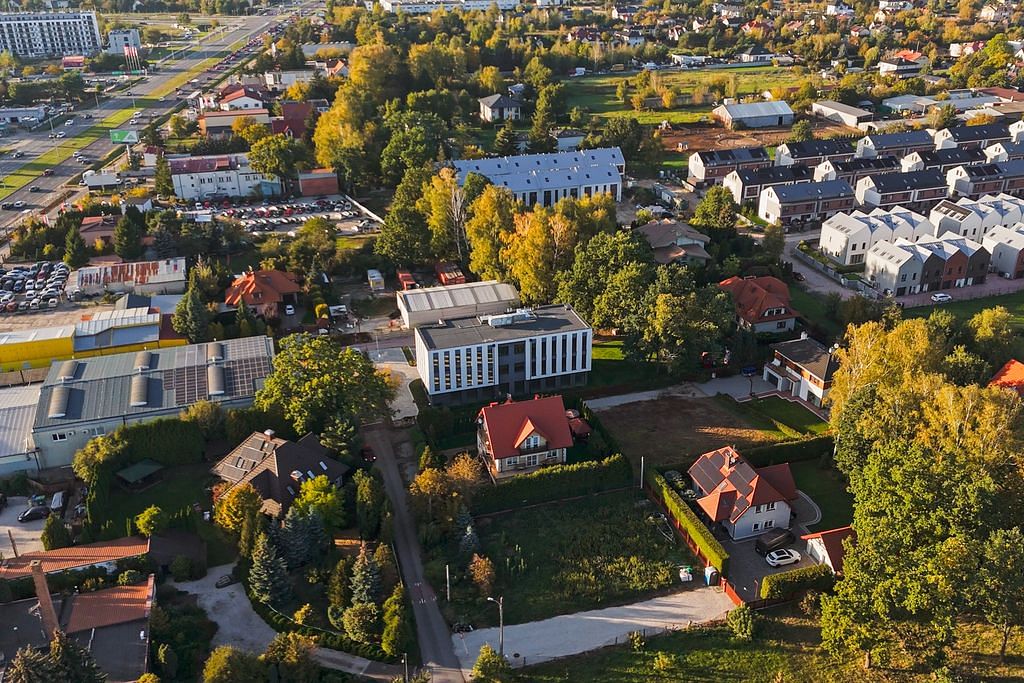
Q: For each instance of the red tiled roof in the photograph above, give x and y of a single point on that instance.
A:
(755, 295)
(732, 486)
(1010, 376)
(98, 225)
(235, 113)
(242, 92)
(111, 606)
(75, 556)
(833, 541)
(261, 287)
(507, 425)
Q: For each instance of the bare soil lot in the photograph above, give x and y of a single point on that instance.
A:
(673, 430)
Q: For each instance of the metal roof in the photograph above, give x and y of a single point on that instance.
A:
(752, 110)
(17, 411)
(127, 317)
(103, 387)
(37, 334)
(537, 172)
(468, 294)
(842, 108)
(826, 189)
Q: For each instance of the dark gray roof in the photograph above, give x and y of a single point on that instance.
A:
(826, 189)
(728, 157)
(818, 148)
(865, 164)
(906, 182)
(1006, 169)
(990, 131)
(942, 157)
(896, 140)
(810, 355)
(100, 387)
(775, 174)
(469, 331)
(499, 101)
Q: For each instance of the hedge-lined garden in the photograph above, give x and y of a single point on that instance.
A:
(708, 547)
(787, 584)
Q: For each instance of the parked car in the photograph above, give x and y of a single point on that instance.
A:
(48, 172)
(34, 513)
(35, 188)
(780, 558)
(773, 540)
(798, 276)
(289, 309)
(941, 297)
(367, 454)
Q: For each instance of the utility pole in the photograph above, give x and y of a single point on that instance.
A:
(448, 582)
(500, 602)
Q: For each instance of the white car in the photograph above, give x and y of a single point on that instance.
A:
(941, 297)
(61, 134)
(289, 309)
(780, 558)
(69, 122)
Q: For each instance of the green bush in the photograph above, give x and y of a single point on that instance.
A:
(785, 584)
(792, 451)
(742, 622)
(555, 483)
(709, 546)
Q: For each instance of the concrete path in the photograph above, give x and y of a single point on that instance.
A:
(736, 386)
(570, 634)
(237, 622)
(342, 661)
(431, 629)
(687, 389)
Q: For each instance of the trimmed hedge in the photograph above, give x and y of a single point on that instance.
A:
(790, 451)
(168, 441)
(688, 520)
(786, 584)
(555, 483)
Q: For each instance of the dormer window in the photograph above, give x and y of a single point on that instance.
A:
(532, 441)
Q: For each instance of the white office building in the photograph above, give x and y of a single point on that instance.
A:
(119, 39)
(488, 357)
(546, 178)
(35, 35)
(219, 176)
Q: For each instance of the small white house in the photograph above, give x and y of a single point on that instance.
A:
(499, 108)
(802, 368)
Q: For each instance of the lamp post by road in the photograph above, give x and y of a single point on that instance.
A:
(500, 602)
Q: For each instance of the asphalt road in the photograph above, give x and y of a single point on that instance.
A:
(37, 143)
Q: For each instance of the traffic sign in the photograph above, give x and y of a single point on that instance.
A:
(124, 137)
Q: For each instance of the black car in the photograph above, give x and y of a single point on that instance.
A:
(34, 513)
(773, 540)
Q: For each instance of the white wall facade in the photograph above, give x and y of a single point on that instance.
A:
(760, 519)
(242, 182)
(49, 34)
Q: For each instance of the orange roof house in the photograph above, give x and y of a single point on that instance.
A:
(263, 291)
(826, 547)
(518, 436)
(762, 303)
(745, 500)
(1010, 376)
(75, 557)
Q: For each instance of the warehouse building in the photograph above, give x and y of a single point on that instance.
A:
(754, 115)
(488, 357)
(81, 399)
(428, 305)
(17, 411)
(841, 113)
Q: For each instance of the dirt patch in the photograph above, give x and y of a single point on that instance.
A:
(701, 137)
(673, 430)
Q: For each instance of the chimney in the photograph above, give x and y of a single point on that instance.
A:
(803, 335)
(269, 433)
(46, 611)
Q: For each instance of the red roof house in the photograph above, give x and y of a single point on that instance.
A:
(292, 121)
(263, 291)
(826, 547)
(762, 303)
(97, 227)
(519, 436)
(1010, 376)
(746, 501)
(103, 554)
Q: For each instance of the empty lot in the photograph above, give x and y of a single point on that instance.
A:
(672, 430)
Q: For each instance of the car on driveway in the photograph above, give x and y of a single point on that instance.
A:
(773, 540)
(289, 309)
(780, 558)
(34, 513)
(941, 297)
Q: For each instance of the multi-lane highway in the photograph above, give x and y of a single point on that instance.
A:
(143, 96)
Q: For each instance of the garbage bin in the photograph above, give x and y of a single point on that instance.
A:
(711, 576)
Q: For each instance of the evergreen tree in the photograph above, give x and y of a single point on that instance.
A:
(163, 185)
(316, 532)
(250, 529)
(469, 543)
(365, 584)
(191, 317)
(431, 458)
(341, 436)
(30, 666)
(293, 538)
(55, 533)
(73, 663)
(268, 577)
(245, 320)
(128, 234)
(369, 504)
(338, 594)
(505, 140)
(76, 254)
(395, 639)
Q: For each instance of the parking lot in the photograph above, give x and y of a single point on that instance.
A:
(67, 313)
(32, 288)
(286, 217)
(26, 535)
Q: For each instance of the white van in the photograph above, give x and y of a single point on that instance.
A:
(57, 503)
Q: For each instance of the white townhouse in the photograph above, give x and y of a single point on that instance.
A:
(974, 218)
(35, 35)
(847, 237)
(1006, 245)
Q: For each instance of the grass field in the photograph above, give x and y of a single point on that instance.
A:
(593, 553)
(787, 650)
(791, 414)
(827, 488)
(611, 373)
(674, 430)
(812, 308)
(596, 94)
(1014, 303)
(178, 487)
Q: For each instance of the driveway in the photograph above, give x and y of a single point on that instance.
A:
(26, 536)
(237, 623)
(815, 280)
(687, 390)
(736, 386)
(570, 634)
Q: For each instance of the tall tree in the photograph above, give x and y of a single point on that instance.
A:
(531, 251)
(292, 656)
(30, 665)
(72, 662)
(163, 184)
(369, 504)
(268, 576)
(366, 582)
(774, 241)
(396, 637)
(191, 317)
(128, 234)
(405, 236)
(227, 664)
(320, 497)
(236, 505)
(505, 141)
(76, 253)
(1002, 579)
(490, 222)
(55, 533)
(717, 210)
(444, 205)
(275, 155)
(593, 266)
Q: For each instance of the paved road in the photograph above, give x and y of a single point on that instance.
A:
(26, 534)
(570, 634)
(431, 628)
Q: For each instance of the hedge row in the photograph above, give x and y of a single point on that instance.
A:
(555, 483)
(786, 584)
(169, 441)
(595, 423)
(709, 546)
(333, 641)
(791, 451)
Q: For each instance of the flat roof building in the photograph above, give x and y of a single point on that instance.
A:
(489, 357)
(36, 35)
(84, 398)
(17, 412)
(430, 304)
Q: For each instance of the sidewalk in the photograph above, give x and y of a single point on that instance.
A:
(570, 634)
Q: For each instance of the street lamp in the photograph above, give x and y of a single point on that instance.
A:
(500, 602)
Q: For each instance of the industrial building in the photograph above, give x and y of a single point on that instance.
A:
(425, 306)
(754, 115)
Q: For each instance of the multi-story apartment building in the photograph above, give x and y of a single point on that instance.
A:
(35, 35)
(488, 357)
(916, 190)
(227, 175)
(711, 166)
(789, 204)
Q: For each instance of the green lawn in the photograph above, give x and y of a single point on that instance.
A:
(596, 94)
(593, 553)
(773, 429)
(791, 414)
(811, 308)
(827, 488)
(611, 372)
(178, 487)
(1014, 303)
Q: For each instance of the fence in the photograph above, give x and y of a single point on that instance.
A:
(832, 273)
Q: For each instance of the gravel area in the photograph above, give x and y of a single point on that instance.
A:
(238, 624)
(26, 535)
